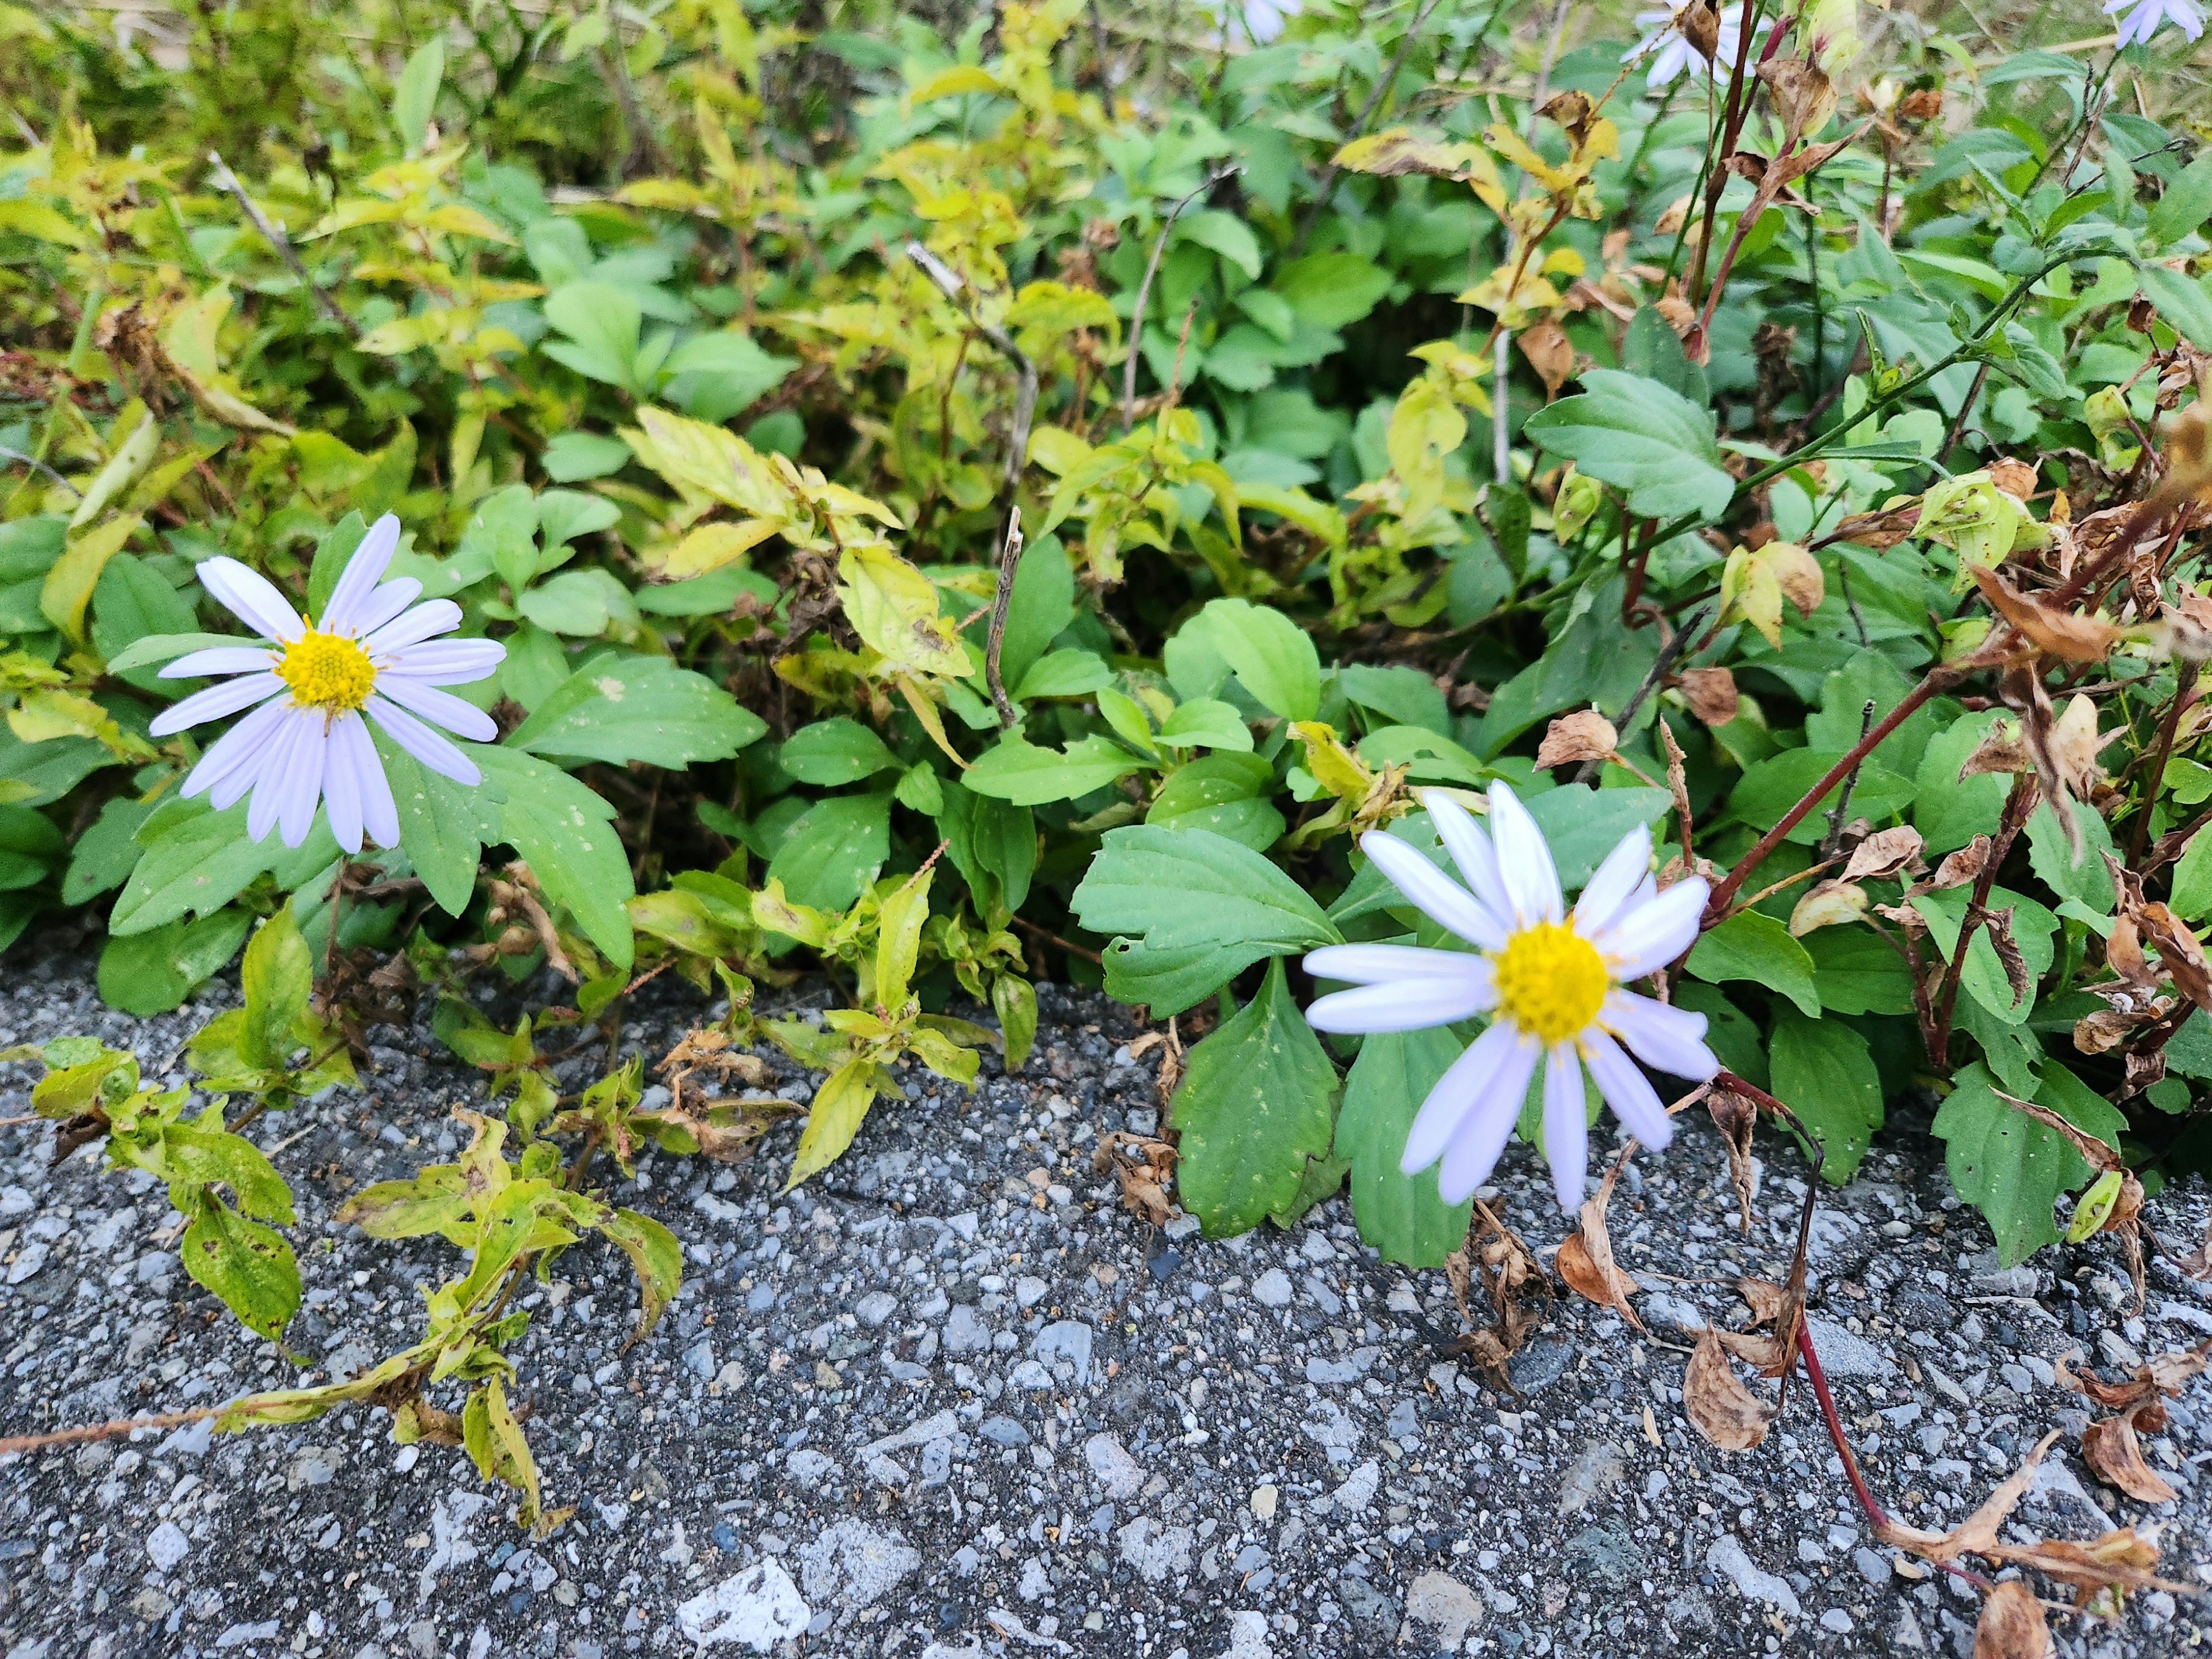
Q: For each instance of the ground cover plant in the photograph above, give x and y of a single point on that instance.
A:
(938, 501)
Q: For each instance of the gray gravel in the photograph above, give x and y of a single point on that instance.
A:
(953, 1400)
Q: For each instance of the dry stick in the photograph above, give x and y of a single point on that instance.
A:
(1018, 447)
(2171, 845)
(1662, 665)
(2185, 682)
(1836, 818)
(273, 233)
(1328, 179)
(30, 1442)
(1938, 677)
(1145, 293)
(2017, 806)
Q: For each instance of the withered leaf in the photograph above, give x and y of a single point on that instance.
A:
(1879, 530)
(1998, 924)
(1735, 1117)
(1719, 1406)
(1549, 352)
(2111, 1447)
(1826, 904)
(2060, 632)
(1585, 1258)
(2106, 1030)
(1712, 694)
(1978, 1533)
(1960, 868)
(1142, 1166)
(1885, 853)
(2012, 1626)
(1585, 735)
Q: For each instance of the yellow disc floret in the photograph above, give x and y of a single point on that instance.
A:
(1551, 982)
(327, 670)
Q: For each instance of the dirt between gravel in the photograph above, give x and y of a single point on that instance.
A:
(952, 1399)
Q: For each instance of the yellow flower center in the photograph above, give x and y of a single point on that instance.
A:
(1551, 982)
(327, 670)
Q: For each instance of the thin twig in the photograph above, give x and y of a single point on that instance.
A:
(108, 1431)
(2017, 806)
(273, 233)
(2185, 682)
(1145, 293)
(1836, 813)
(1662, 665)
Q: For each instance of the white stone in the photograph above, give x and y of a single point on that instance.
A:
(1271, 1289)
(1248, 1637)
(854, 1563)
(1153, 1550)
(760, 1607)
(1725, 1556)
(1445, 1606)
(166, 1545)
(1118, 1474)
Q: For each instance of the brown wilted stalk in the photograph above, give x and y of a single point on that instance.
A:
(2017, 804)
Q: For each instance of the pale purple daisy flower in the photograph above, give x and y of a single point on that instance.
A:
(2146, 17)
(1672, 55)
(1551, 982)
(371, 654)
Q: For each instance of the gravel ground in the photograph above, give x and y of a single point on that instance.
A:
(952, 1401)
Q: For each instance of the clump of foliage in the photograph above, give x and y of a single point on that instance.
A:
(965, 507)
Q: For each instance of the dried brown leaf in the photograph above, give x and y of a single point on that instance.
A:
(2111, 1447)
(1802, 93)
(2197, 1264)
(1879, 530)
(725, 1130)
(1549, 352)
(1143, 1167)
(1958, 868)
(2011, 1625)
(1585, 735)
(1585, 1258)
(1997, 924)
(2060, 632)
(2104, 1030)
(1719, 1406)
(1884, 855)
(1735, 1117)
(1978, 1533)
(1826, 904)
(1710, 694)
(2015, 477)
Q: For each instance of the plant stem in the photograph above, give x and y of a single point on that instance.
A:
(2185, 682)
(2017, 804)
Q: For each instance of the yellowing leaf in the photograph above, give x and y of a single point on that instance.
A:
(707, 463)
(42, 223)
(69, 585)
(839, 1105)
(711, 546)
(892, 606)
(954, 81)
(898, 940)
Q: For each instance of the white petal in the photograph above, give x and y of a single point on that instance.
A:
(1523, 860)
(1668, 1039)
(302, 785)
(220, 659)
(447, 662)
(363, 570)
(1381, 965)
(1471, 850)
(1433, 893)
(213, 704)
(388, 602)
(280, 762)
(1456, 1093)
(1473, 1152)
(426, 620)
(355, 750)
(427, 745)
(1566, 1124)
(1406, 1004)
(240, 746)
(1615, 882)
(1646, 936)
(1626, 1089)
(341, 786)
(251, 598)
(443, 707)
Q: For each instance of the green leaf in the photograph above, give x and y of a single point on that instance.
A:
(2192, 878)
(247, 1264)
(1256, 1103)
(601, 321)
(2012, 1168)
(443, 825)
(1582, 824)
(34, 773)
(2182, 303)
(834, 751)
(1063, 674)
(2052, 855)
(834, 849)
(1770, 787)
(1825, 1070)
(619, 709)
(1041, 608)
(278, 977)
(1984, 976)
(196, 861)
(1206, 723)
(30, 847)
(1272, 656)
(572, 457)
(1226, 794)
(2186, 206)
(1014, 1000)
(1641, 437)
(1331, 289)
(1015, 769)
(1856, 972)
(1730, 1032)
(414, 94)
(105, 854)
(991, 843)
(162, 648)
(501, 535)
(1949, 811)
(333, 549)
(1227, 236)
(1755, 947)
(1195, 908)
(581, 603)
(565, 833)
(151, 973)
(129, 602)
(712, 377)
(1403, 1217)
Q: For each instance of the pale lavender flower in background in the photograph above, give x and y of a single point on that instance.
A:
(1672, 54)
(374, 653)
(1264, 18)
(1550, 980)
(2146, 17)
